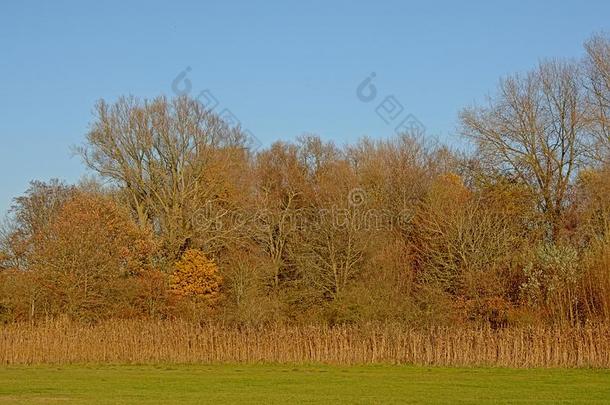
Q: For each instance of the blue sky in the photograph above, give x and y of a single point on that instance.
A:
(283, 68)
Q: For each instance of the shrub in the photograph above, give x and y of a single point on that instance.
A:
(551, 279)
(196, 277)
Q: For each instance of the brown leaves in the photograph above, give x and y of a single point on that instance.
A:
(196, 277)
(86, 251)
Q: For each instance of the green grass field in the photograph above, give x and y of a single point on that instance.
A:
(297, 384)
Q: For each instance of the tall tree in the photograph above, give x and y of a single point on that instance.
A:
(28, 215)
(597, 82)
(535, 131)
(168, 156)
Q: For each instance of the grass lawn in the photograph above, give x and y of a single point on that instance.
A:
(296, 384)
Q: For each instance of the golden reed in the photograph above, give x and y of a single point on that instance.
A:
(131, 341)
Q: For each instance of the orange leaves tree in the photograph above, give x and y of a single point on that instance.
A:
(196, 277)
(88, 256)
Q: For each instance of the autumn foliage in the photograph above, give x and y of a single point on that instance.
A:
(196, 277)
(186, 220)
(87, 261)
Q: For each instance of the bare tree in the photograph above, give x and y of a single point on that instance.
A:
(331, 251)
(27, 216)
(535, 131)
(281, 185)
(331, 244)
(597, 83)
(168, 156)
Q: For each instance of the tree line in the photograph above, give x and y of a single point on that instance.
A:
(183, 219)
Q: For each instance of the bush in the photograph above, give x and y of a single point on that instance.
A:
(551, 281)
(196, 277)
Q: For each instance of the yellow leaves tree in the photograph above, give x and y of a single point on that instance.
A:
(196, 277)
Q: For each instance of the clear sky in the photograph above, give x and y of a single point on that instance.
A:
(283, 68)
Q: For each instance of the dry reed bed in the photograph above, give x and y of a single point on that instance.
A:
(183, 342)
